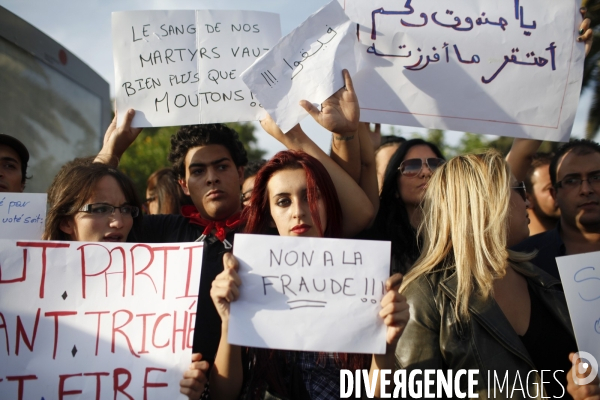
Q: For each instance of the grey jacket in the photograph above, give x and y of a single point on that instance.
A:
(435, 339)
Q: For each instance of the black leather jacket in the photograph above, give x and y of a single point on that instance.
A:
(435, 339)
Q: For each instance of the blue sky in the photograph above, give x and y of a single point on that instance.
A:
(84, 28)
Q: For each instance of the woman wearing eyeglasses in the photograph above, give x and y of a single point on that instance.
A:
(404, 184)
(475, 305)
(91, 202)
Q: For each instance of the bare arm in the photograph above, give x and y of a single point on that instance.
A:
(356, 155)
(521, 155)
(117, 139)
(522, 151)
(368, 174)
(346, 152)
(340, 114)
(352, 141)
(357, 210)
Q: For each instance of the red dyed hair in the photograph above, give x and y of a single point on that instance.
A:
(318, 182)
(267, 364)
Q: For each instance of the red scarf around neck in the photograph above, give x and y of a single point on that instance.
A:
(192, 214)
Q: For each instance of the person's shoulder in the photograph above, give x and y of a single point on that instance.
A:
(536, 275)
(165, 228)
(550, 239)
(423, 289)
(163, 220)
(548, 245)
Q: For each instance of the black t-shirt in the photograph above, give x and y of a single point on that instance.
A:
(549, 245)
(165, 229)
(176, 228)
(399, 261)
(549, 344)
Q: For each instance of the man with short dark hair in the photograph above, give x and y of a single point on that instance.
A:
(13, 164)
(543, 212)
(575, 177)
(209, 161)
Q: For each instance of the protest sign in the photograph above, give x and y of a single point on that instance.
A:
(97, 320)
(509, 68)
(307, 64)
(580, 276)
(22, 215)
(183, 67)
(297, 292)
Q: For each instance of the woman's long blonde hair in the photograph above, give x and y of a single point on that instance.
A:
(465, 224)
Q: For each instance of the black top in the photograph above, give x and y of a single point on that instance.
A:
(549, 245)
(167, 228)
(549, 345)
(400, 262)
(176, 228)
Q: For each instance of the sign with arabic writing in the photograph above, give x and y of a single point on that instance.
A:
(183, 67)
(296, 292)
(96, 320)
(307, 64)
(509, 67)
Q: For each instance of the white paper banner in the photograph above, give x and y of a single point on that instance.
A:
(580, 276)
(310, 294)
(509, 67)
(307, 64)
(96, 320)
(22, 215)
(183, 67)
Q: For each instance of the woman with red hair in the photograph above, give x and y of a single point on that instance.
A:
(294, 193)
(319, 189)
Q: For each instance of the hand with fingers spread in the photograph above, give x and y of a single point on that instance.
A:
(194, 379)
(225, 287)
(590, 391)
(586, 34)
(340, 112)
(117, 139)
(394, 311)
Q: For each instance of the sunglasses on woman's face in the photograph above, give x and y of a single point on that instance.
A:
(521, 190)
(413, 166)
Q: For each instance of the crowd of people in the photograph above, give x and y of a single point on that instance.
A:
(473, 278)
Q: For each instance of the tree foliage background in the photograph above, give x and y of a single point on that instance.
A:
(150, 150)
(470, 142)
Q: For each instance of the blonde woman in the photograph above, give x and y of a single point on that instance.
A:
(474, 303)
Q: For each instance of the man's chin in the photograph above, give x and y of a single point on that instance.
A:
(220, 212)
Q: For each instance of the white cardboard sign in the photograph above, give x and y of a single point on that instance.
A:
(183, 67)
(510, 68)
(96, 320)
(580, 276)
(22, 215)
(307, 64)
(310, 294)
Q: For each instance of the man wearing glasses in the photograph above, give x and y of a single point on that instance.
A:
(575, 176)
